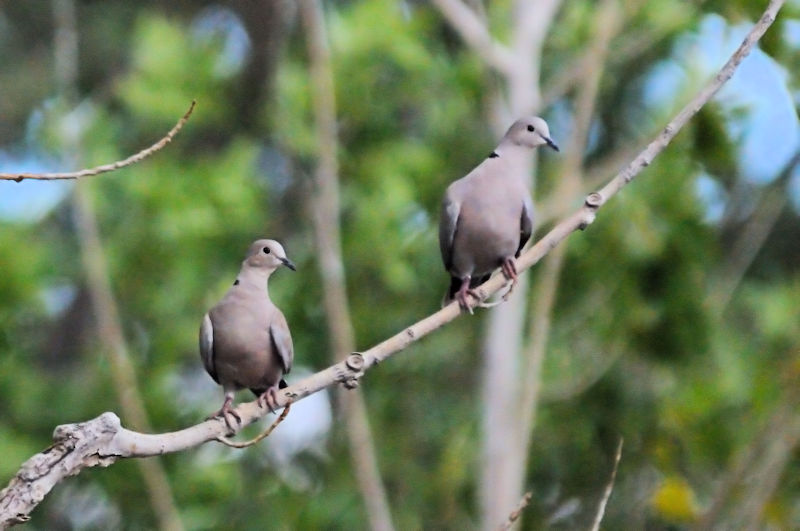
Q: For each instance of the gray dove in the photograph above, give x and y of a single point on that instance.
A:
(244, 340)
(487, 216)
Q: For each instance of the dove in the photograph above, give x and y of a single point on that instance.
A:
(244, 340)
(487, 216)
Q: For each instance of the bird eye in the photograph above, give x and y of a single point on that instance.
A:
(266, 250)
(531, 128)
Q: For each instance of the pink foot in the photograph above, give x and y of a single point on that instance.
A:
(269, 398)
(509, 269)
(463, 294)
(226, 411)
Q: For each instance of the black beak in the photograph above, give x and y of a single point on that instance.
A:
(551, 143)
(288, 263)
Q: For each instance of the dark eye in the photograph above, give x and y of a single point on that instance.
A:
(531, 128)
(266, 250)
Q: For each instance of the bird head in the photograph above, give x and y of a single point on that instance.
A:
(267, 255)
(530, 132)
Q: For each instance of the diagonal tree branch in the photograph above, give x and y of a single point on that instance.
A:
(109, 328)
(325, 217)
(102, 441)
(475, 33)
(751, 238)
(105, 168)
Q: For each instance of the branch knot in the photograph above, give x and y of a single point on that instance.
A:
(594, 200)
(355, 364)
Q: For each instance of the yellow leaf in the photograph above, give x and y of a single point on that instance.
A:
(674, 500)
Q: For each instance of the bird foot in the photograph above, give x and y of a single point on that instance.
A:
(463, 299)
(226, 411)
(269, 398)
(509, 269)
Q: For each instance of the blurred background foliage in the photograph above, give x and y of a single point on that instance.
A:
(677, 325)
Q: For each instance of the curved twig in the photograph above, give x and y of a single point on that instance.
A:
(101, 441)
(258, 438)
(105, 168)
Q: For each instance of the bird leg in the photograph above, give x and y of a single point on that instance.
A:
(269, 398)
(509, 269)
(226, 410)
(463, 293)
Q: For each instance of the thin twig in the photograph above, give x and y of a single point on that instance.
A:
(90, 172)
(258, 438)
(601, 507)
(516, 513)
(102, 441)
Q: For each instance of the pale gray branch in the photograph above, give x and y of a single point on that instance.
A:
(102, 441)
(475, 33)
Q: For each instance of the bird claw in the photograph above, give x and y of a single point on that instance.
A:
(509, 269)
(488, 305)
(224, 412)
(463, 299)
(269, 399)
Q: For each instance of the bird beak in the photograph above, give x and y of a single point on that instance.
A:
(549, 142)
(288, 263)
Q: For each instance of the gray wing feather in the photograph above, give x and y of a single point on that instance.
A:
(282, 341)
(207, 346)
(448, 221)
(526, 223)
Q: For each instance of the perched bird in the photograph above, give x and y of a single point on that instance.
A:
(487, 216)
(244, 340)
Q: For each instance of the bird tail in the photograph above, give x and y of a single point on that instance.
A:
(455, 285)
(260, 391)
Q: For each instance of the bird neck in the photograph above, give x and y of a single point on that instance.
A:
(513, 153)
(254, 278)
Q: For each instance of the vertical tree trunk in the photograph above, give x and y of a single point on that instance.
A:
(109, 328)
(325, 210)
(502, 470)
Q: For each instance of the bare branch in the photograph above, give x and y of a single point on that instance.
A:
(601, 507)
(475, 33)
(656, 146)
(100, 442)
(105, 168)
(516, 513)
